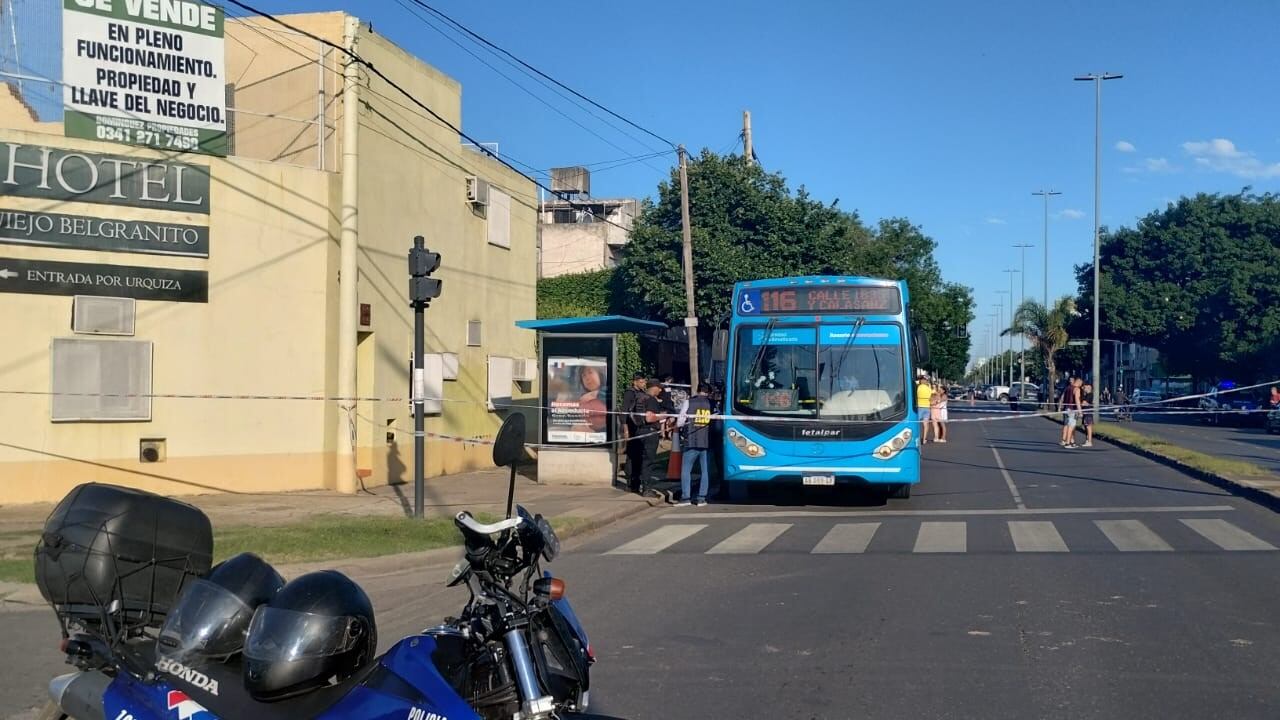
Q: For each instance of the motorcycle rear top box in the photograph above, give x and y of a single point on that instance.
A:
(114, 559)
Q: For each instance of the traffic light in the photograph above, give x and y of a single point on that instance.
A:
(422, 262)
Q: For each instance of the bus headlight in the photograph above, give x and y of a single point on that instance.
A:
(894, 446)
(741, 442)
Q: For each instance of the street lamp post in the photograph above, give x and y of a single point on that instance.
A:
(1012, 309)
(1000, 345)
(1097, 79)
(1022, 298)
(1047, 194)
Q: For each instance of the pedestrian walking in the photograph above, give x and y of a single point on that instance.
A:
(924, 397)
(1086, 412)
(695, 424)
(938, 413)
(1275, 397)
(1070, 405)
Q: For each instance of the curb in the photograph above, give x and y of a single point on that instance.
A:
(26, 596)
(1240, 488)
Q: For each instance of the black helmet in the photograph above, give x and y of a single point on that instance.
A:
(213, 614)
(320, 626)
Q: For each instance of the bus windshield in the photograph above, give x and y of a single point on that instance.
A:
(833, 372)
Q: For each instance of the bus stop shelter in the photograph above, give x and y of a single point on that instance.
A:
(581, 425)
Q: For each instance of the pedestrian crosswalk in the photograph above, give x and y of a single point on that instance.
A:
(953, 536)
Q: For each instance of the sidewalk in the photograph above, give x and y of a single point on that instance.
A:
(483, 491)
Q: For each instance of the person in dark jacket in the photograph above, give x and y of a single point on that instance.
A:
(630, 431)
(642, 450)
(695, 424)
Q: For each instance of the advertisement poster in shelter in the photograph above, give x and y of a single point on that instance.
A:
(578, 399)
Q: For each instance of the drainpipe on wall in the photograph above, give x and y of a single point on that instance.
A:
(348, 275)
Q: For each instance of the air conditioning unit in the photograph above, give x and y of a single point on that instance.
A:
(477, 191)
(524, 369)
(92, 315)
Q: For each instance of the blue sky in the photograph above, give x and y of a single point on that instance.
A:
(947, 113)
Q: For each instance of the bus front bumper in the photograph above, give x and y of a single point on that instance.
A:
(904, 468)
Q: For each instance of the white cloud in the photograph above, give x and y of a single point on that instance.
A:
(1156, 165)
(1125, 146)
(1071, 214)
(996, 221)
(1222, 155)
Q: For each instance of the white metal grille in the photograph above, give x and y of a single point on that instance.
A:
(101, 379)
(473, 333)
(102, 315)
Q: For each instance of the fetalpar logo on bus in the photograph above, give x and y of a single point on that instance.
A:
(819, 432)
(187, 13)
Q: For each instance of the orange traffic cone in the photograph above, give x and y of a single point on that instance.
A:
(674, 465)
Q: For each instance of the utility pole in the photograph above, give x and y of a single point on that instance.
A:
(746, 137)
(1047, 194)
(1000, 333)
(348, 269)
(1097, 79)
(691, 317)
(422, 289)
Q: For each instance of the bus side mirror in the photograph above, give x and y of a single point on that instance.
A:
(921, 347)
(720, 345)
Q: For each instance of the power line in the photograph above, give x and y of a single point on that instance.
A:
(508, 78)
(535, 70)
(428, 22)
(355, 57)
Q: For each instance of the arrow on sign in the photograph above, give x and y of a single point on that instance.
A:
(6, 273)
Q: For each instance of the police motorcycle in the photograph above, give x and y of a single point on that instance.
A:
(154, 631)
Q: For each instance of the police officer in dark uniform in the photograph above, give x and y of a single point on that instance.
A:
(695, 424)
(632, 401)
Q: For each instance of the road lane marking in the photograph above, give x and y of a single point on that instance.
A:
(1132, 536)
(764, 514)
(942, 537)
(1008, 479)
(1013, 489)
(1036, 536)
(658, 540)
(846, 538)
(750, 539)
(1227, 536)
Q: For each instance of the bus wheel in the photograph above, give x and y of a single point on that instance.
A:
(901, 491)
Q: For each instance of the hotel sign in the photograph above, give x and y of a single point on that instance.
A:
(43, 277)
(81, 232)
(36, 171)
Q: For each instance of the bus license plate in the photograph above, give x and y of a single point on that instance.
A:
(819, 479)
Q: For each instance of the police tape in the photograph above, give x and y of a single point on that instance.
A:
(993, 415)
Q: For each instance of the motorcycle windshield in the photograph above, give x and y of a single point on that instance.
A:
(208, 621)
(284, 635)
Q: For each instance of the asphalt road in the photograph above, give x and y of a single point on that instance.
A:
(1081, 584)
(1250, 444)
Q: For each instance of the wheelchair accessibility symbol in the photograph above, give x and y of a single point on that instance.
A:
(749, 304)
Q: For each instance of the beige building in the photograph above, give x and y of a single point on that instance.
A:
(584, 234)
(231, 275)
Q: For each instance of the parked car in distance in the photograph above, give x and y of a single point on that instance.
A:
(1273, 422)
(998, 392)
(1023, 396)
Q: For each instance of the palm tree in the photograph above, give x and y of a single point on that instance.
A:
(1046, 329)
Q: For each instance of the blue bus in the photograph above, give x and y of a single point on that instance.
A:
(818, 385)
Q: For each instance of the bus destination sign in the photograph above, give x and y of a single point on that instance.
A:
(819, 300)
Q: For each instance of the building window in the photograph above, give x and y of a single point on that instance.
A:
(101, 379)
(499, 213)
(473, 333)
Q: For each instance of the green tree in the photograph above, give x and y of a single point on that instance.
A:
(1199, 281)
(748, 225)
(1045, 329)
(586, 295)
